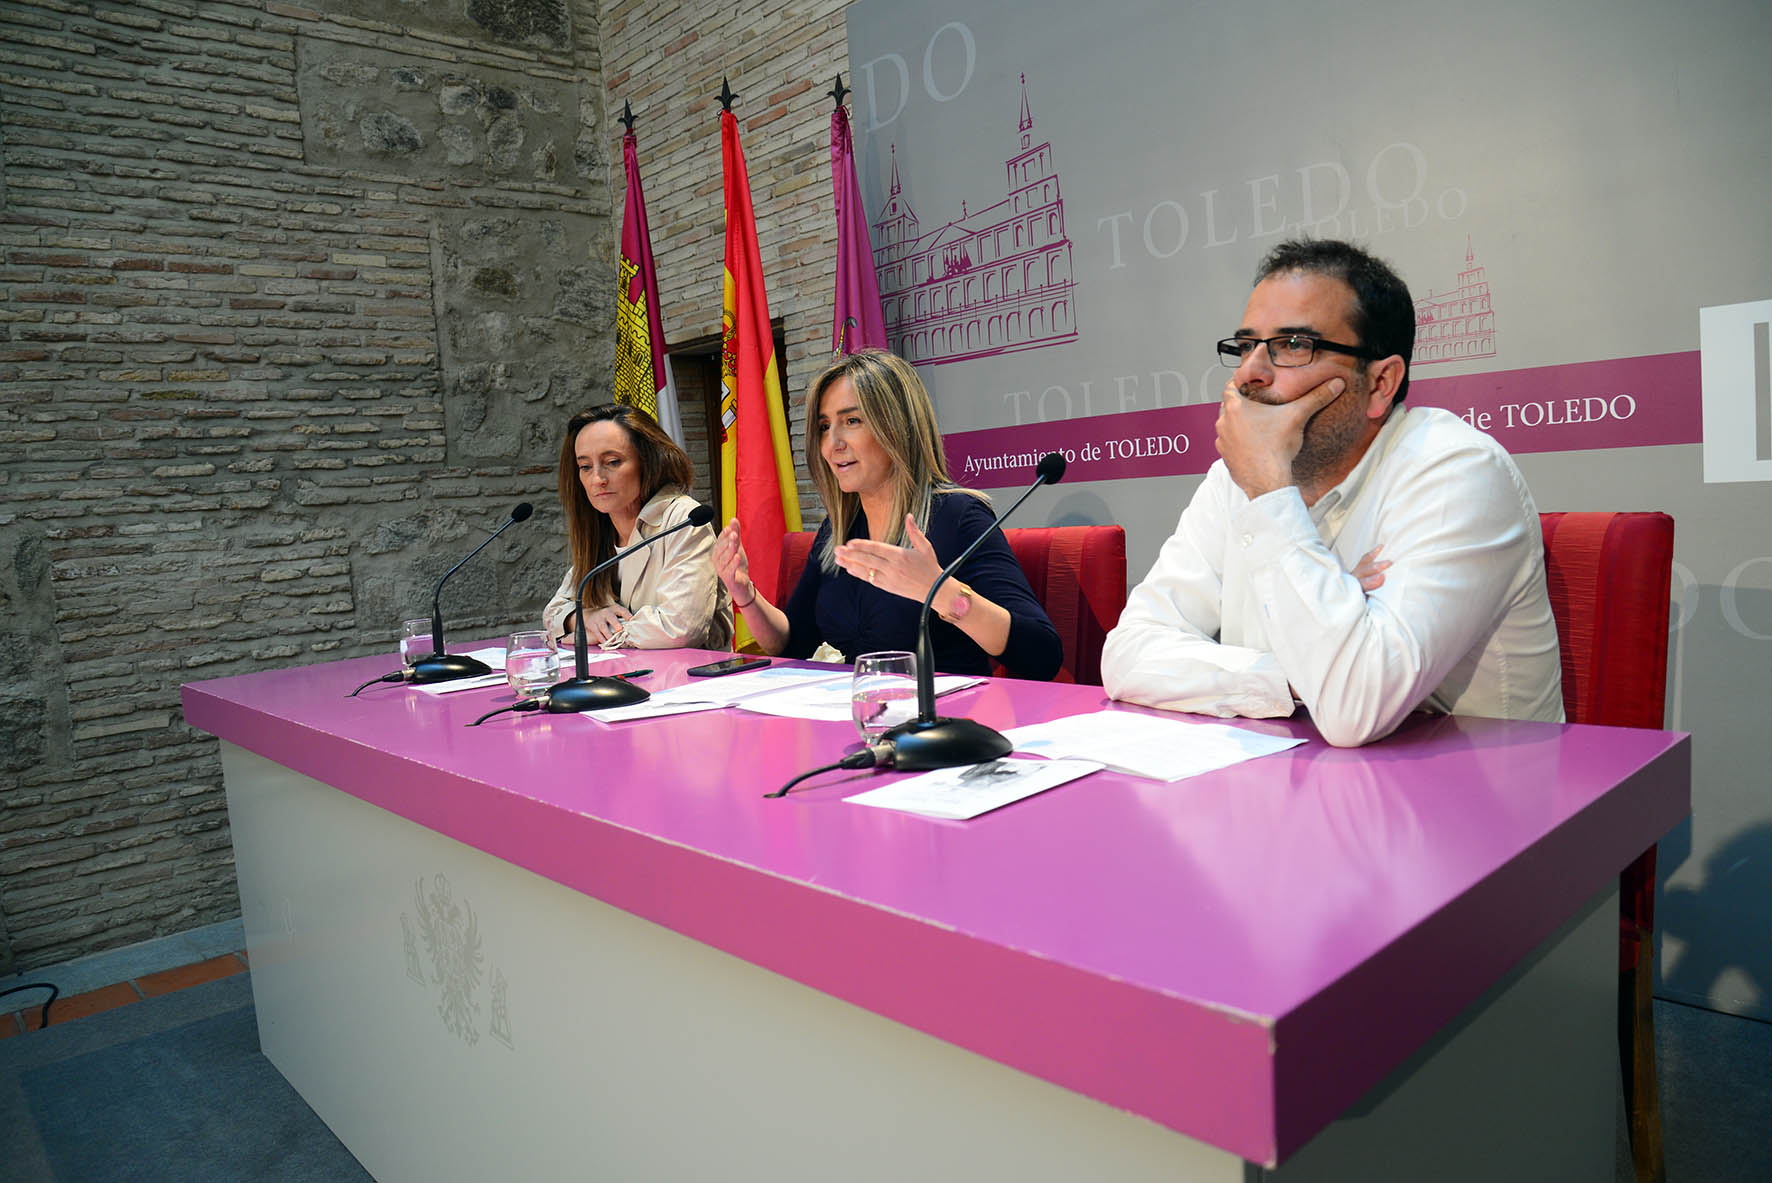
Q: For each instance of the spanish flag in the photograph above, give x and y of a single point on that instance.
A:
(756, 462)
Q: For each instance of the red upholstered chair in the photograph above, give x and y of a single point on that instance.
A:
(1078, 574)
(796, 546)
(1610, 575)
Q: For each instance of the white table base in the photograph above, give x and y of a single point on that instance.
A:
(452, 1016)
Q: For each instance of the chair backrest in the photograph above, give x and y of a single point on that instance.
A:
(796, 547)
(1078, 574)
(1610, 575)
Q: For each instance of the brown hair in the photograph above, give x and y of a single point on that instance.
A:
(589, 532)
(897, 409)
(1383, 314)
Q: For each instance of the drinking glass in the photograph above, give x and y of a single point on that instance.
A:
(532, 664)
(415, 641)
(884, 692)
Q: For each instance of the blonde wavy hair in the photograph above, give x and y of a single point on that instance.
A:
(896, 408)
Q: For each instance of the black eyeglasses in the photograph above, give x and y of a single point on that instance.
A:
(1292, 349)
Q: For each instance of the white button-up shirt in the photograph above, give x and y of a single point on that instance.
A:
(1251, 601)
(670, 586)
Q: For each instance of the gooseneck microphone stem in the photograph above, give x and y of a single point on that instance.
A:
(583, 692)
(925, 656)
(931, 742)
(437, 597)
(441, 666)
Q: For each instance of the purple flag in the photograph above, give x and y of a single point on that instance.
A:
(858, 322)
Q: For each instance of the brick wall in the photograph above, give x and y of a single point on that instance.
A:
(292, 304)
(667, 62)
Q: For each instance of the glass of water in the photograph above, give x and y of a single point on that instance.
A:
(532, 664)
(884, 692)
(415, 641)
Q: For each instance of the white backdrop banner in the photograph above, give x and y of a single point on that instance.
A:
(1068, 203)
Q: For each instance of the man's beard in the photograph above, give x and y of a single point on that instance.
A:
(1329, 436)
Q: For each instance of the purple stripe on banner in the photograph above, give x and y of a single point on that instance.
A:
(1631, 402)
(1627, 402)
(1096, 448)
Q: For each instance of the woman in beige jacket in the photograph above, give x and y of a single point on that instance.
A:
(622, 479)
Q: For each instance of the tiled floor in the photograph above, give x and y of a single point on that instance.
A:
(25, 1009)
(1716, 1089)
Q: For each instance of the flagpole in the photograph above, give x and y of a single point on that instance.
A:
(857, 318)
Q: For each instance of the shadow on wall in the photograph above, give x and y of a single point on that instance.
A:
(1714, 908)
(396, 565)
(1081, 509)
(1732, 975)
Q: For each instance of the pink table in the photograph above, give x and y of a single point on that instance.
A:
(1239, 957)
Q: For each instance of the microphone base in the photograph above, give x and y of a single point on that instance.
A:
(447, 667)
(593, 694)
(944, 743)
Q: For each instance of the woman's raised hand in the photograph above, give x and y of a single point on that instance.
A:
(902, 570)
(733, 566)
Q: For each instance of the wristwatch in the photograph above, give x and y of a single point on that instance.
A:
(962, 604)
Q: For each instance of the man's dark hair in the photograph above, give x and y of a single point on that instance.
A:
(1383, 312)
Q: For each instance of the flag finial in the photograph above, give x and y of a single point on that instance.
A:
(726, 96)
(839, 90)
(627, 116)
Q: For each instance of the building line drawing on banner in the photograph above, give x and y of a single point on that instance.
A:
(996, 281)
(1459, 324)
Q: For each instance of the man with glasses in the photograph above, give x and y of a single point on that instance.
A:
(1271, 591)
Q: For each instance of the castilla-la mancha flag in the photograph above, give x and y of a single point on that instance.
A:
(642, 376)
(756, 462)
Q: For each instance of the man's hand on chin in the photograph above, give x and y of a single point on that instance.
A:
(1258, 440)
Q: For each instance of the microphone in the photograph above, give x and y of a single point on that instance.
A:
(929, 742)
(446, 667)
(583, 692)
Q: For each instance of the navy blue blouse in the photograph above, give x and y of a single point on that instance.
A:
(857, 617)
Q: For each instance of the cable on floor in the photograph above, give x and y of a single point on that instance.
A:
(54, 993)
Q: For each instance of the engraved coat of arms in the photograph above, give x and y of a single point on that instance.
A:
(451, 937)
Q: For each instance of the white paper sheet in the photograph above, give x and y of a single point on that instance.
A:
(652, 708)
(678, 700)
(710, 694)
(730, 689)
(496, 659)
(1146, 745)
(495, 678)
(958, 793)
(829, 699)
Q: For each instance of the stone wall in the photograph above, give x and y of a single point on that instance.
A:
(292, 303)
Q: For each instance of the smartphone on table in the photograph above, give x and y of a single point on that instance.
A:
(731, 665)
